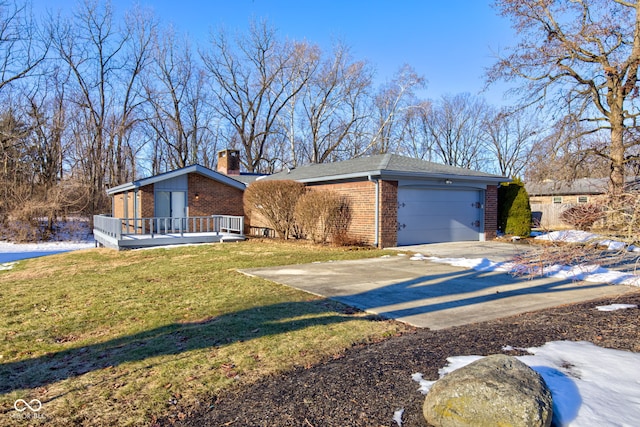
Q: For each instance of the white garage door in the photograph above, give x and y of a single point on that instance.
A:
(433, 215)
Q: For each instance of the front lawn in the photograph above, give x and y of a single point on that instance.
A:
(101, 337)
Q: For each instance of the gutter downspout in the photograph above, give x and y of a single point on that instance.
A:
(377, 209)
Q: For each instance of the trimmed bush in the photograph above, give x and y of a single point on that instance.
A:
(323, 214)
(276, 202)
(514, 211)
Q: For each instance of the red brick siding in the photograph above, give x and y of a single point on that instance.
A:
(388, 236)
(491, 212)
(214, 198)
(362, 199)
(147, 206)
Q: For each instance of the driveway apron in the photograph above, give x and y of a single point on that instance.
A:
(434, 295)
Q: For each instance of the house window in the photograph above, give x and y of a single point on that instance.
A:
(557, 199)
(583, 199)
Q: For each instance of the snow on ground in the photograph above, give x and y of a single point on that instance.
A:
(614, 307)
(11, 252)
(577, 236)
(587, 273)
(590, 385)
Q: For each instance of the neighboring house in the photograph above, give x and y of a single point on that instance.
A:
(398, 200)
(549, 198)
(177, 204)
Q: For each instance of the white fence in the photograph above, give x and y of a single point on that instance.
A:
(118, 228)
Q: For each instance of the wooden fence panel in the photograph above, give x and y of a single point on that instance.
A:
(547, 216)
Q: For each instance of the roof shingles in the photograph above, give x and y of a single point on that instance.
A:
(379, 165)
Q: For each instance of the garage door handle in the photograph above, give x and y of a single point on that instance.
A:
(475, 224)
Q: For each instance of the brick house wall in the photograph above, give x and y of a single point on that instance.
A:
(491, 212)
(388, 236)
(147, 205)
(362, 196)
(213, 197)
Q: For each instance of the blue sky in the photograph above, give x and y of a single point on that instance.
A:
(448, 42)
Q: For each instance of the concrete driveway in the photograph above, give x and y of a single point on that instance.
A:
(434, 295)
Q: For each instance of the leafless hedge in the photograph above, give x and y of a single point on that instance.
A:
(583, 217)
(276, 202)
(323, 215)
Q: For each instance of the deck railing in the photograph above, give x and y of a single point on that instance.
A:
(121, 227)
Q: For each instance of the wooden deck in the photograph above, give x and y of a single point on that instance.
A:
(131, 233)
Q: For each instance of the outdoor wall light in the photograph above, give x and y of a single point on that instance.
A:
(448, 181)
(197, 196)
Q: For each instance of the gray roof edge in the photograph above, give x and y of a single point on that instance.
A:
(439, 175)
(209, 173)
(382, 174)
(120, 188)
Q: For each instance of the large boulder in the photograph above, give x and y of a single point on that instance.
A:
(496, 390)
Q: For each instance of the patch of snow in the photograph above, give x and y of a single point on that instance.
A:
(7, 265)
(397, 416)
(510, 348)
(418, 257)
(425, 385)
(17, 251)
(590, 385)
(578, 236)
(614, 307)
(588, 273)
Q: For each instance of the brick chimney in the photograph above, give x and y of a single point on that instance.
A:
(229, 162)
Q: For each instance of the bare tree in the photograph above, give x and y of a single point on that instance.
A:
(332, 104)
(288, 119)
(139, 32)
(105, 62)
(392, 100)
(454, 131)
(559, 155)
(46, 111)
(414, 132)
(255, 78)
(581, 57)
(89, 46)
(509, 136)
(22, 45)
(179, 117)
